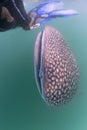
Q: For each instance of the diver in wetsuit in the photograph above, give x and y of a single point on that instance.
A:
(13, 14)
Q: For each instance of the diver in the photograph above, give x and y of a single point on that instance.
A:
(13, 14)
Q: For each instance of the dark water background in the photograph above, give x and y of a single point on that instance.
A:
(21, 107)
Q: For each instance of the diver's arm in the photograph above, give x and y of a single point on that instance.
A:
(22, 15)
(15, 9)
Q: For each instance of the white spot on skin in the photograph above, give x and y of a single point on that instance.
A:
(56, 79)
(47, 90)
(60, 87)
(51, 91)
(53, 78)
(61, 80)
(56, 87)
(53, 83)
(57, 70)
(59, 92)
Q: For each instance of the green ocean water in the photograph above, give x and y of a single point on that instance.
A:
(21, 106)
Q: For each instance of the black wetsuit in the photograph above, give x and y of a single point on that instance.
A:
(16, 9)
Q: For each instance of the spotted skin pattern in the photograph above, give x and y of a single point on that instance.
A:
(61, 71)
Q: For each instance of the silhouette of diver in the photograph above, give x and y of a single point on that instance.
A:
(13, 14)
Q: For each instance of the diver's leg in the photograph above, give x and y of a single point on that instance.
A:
(18, 4)
(0, 11)
(17, 10)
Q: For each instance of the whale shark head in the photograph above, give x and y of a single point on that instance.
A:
(56, 70)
